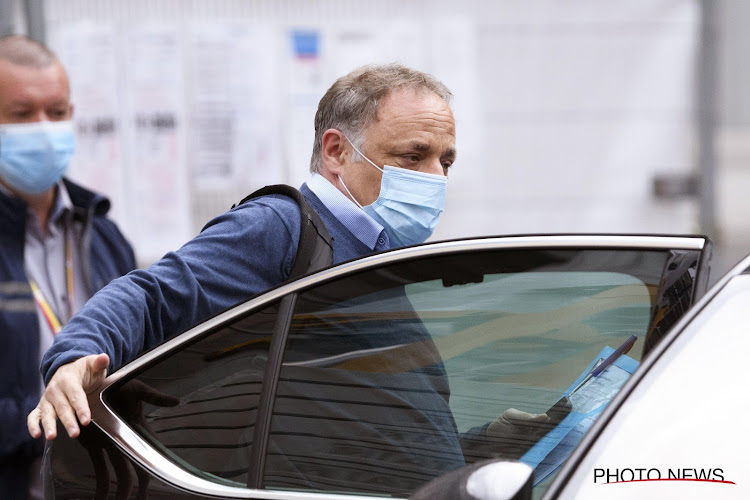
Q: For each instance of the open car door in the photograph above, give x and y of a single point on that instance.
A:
(378, 375)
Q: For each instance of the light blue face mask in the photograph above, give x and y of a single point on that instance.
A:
(409, 204)
(35, 156)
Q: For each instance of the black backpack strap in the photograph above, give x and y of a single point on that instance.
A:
(314, 249)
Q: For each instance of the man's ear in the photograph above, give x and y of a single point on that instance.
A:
(334, 151)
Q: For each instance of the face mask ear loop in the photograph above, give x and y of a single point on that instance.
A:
(350, 193)
(362, 155)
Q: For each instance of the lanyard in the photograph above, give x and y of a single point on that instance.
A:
(41, 301)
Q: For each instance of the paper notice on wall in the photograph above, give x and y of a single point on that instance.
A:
(159, 203)
(317, 56)
(351, 45)
(306, 83)
(89, 53)
(233, 100)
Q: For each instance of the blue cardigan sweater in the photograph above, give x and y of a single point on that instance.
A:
(105, 255)
(240, 253)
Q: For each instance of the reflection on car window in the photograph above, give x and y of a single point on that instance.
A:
(516, 331)
(395, 376)
(362, 391)
(199, 405)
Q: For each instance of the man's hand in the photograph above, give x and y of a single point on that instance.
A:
(516, 422)
(517, 431)
(66, 397)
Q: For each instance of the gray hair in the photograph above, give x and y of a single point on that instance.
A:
(351, 104)
(25, 51)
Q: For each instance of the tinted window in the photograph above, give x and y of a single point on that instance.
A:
(199, 405)
(392, 377)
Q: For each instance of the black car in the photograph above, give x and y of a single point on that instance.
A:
(376, 376)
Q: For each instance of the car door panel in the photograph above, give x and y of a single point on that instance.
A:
(386, 372)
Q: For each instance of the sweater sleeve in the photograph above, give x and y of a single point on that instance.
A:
(237, 255)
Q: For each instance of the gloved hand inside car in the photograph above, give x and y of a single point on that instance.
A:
(517, 431)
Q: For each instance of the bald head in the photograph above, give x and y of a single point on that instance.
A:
(23, 51)
(33, 84)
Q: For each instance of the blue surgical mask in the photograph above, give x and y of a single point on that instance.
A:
(35, 156)
(409, 204)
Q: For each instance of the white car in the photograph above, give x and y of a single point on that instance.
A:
(673, 431)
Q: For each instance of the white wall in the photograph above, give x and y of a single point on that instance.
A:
(565, 109)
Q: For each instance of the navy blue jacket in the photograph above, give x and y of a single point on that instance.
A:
(105, 255)
(239, 254)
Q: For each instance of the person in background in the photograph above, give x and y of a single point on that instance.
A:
(57, 247)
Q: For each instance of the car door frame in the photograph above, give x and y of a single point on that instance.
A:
(135, 447)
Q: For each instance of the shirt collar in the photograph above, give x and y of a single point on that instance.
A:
(361, 225)
(63, 205)
(60, 216)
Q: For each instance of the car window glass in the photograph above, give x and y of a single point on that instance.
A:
(536, 329)
(395, 376)
(199, 405)
(705, 362)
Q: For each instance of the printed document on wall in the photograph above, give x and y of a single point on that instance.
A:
(305, 84)
(233, 100)
(159, 195)
(317, 56)
(89, 53)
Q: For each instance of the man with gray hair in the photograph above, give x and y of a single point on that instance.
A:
(377, 126)
(384, 142)
(56, 245)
